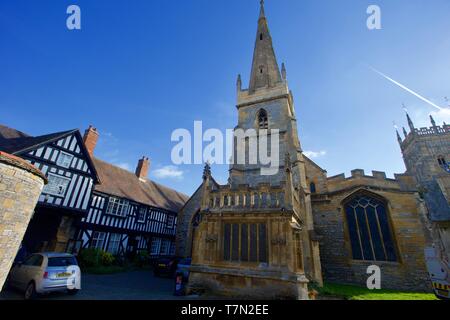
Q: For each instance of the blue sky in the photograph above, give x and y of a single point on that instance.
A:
(140, 69)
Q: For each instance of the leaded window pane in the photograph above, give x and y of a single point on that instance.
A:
(253, 244)
(388, 242)
(369, 230)
(244, 242)
(353, 232)
(262, 243)
(364, 233)
(226, 242)
(375, 234)
(235, 242)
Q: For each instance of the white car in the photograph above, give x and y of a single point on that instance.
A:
(439, 271)
(46, 272)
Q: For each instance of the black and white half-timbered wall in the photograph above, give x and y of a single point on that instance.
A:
(122, 227)
(128, 212)
(91, 203)
(71, 175)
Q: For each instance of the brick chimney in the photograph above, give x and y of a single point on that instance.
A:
(90, 139)
(143, 168)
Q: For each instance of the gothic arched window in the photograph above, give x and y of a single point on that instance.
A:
(369, 229)
(263, 120)
(312, 187)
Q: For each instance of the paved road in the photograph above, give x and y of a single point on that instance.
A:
(135, 285)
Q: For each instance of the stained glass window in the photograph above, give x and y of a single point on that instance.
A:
(369, 230)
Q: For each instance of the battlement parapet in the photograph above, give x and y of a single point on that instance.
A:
(360, 173)
(424, 132)
(433, 130)
(378, 179)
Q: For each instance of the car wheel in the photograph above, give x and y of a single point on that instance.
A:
(73, 292)
(30, 292)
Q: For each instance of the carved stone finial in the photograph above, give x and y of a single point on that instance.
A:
(283, 71)
(398, 137)
(410, 123)
(404, 132)
(206, 171)
(433, 123)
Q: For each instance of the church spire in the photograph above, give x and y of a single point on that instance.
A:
(265, 70)
(410, 123)
(399, 139)
(262, 14)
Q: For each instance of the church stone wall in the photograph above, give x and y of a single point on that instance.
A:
(184, 224)
(406, 218)
(20, 187)
(316, 175)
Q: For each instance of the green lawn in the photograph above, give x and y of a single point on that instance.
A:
(348, 292)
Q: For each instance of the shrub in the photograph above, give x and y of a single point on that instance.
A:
(141, 258)
(107, 258)
(89, 257)
(92, 257)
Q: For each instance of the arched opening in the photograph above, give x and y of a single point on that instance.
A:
(312, 187)
(263, 120)
(369, 228)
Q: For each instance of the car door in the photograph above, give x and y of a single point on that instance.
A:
(18, 273)
(34, 270)
(22, 272)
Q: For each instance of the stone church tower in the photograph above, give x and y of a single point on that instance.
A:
(255, 236)
(426, 152)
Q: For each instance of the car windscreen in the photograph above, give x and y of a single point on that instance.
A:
(62, 261)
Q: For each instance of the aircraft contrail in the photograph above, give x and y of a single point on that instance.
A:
(407, 89)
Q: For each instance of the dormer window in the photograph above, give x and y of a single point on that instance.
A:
(263, 121)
